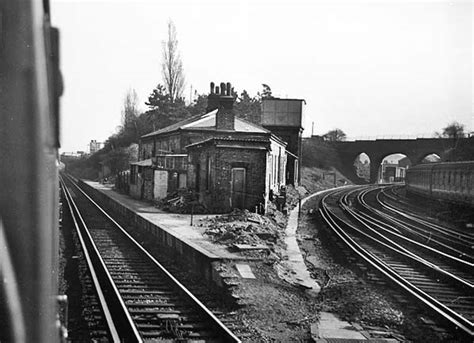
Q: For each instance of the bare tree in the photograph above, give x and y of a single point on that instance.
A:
(172, 66)
(336, 135)
(454, 130)
(130, 110)
(129, 130)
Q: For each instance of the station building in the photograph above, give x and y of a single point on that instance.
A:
(227, 161)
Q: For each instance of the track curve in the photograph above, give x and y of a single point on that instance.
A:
(441, 279)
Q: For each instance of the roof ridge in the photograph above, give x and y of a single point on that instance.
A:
(178, 124)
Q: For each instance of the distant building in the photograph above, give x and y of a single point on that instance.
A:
(229, 162)
(95, 146)
(394, 171)
(76, 154)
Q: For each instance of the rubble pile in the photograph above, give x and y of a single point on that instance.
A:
(293, 195)
(276, 216)
(244, 227)
(182, 201)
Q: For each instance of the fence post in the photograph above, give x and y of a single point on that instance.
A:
(299, 205)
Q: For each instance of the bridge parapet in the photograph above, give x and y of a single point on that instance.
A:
(415, 149)
(390, 137)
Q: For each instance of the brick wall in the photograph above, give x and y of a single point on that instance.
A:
(291, 135)
(178, 141)
(216, 197)
(148, 183)
(225, 119)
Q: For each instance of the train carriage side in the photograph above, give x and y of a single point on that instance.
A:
(30, 86)
(418, 180)
(463, 183)
(452, 181)
(457, 182)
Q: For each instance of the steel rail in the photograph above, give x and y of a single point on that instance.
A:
(335, 223)
(447, 231)
(418, 218)
(390, 244)
(409, 228)
(225, 333)
(395, 232)
(120, 329)
(414, 230)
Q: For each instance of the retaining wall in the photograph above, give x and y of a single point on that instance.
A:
(196, 260)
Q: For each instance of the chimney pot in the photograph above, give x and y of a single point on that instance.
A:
(213, 98)
(222, 88)
(228, 88)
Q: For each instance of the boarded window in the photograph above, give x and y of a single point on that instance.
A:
(133, 175)
(182, 180)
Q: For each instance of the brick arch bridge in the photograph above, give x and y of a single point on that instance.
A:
(377, 150)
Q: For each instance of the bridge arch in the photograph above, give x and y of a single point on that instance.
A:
(393, 168)
(361, 167)
(430, 158)
(378, 158)
(414, 149)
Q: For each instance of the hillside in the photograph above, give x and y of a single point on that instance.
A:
(319, 163)
(315, 179)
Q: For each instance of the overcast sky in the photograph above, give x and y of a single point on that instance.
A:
(370, 68)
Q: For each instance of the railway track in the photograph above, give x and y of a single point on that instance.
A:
(441, 282)
(447, 242)
(86, 321)
(434, 211)
(140, 299)
(389, 201)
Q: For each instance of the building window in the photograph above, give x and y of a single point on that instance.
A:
(198, 177)
(133, 175)
(208, 172)
(295, 177)
(279, 165)
(169, 162)
(184, 164)
(275, 166)
(165, 145)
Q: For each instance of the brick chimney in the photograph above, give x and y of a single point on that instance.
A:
(222, 99)
(212, 99)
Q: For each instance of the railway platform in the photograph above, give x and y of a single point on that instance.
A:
(177, 225)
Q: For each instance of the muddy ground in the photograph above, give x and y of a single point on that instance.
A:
(277, 311)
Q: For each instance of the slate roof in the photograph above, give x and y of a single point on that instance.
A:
(143, 163)
(208, 122)
(227, 139)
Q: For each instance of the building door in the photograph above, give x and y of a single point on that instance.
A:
(238, 188)
(160, 189)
